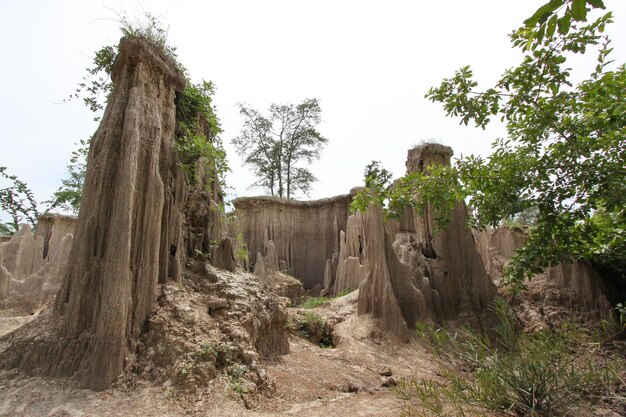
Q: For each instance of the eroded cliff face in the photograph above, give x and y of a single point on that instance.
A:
(403, 269)
(305, 233)
(129, 230)
(558, 293)
(32, 265)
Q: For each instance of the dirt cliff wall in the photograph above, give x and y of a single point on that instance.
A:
(32, 264)
(129, 230)
(403, 269)
(561, 292)
(135, 234)
(305, 233)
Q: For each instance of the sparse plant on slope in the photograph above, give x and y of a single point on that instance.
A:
(314, 302)
(547, 373)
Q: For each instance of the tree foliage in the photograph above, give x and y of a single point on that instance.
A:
(17, 200)
(68, 196)
(563, 157)
(193, 104)
(273, 146)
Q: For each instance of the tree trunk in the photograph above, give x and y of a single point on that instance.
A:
(128, 231)
(288, 180)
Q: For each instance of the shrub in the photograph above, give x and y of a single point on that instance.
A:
(312, 326)
(512, 374)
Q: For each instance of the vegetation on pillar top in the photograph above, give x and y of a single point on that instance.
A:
(198, 129)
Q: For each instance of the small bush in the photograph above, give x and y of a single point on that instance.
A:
(238, 383)
(513, 374)
(312, 326)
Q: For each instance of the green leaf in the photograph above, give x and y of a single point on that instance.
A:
(551, 26)
(579, 10)
(543, 12)
(529, 44)
(596, 4)
(564, 24)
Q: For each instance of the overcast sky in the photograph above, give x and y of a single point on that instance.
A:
(368, 62)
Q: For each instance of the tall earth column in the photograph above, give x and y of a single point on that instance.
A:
(128, 232)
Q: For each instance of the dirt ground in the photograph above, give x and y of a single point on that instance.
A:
(309, 381)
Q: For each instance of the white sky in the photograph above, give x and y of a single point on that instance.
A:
(369, 62)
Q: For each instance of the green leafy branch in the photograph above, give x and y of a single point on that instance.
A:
(18, 201)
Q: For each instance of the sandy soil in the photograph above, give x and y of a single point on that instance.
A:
(309, 381)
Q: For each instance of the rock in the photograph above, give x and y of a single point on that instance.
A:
(497, 246)
(349, 266)
(387, 292)
(414, 273)
(214, 304)
(129, 234)
(223, 256)
(267, 268)
(403, 269)
(210, 273)
(388, 381)
(354, 387)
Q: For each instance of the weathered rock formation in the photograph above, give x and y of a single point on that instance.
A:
(557, 293)
(208, 325)
(130, 233)
(32, 266)
(345, 270)
(267, 268)
(414, 273)
(403, 269)
(305, 233)
(497, 246)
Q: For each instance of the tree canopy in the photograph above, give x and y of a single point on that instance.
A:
(563, 156)
(273, 146)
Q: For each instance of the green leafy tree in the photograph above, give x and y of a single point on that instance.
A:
(18, 201)
(564, 153)
(69, 195)
(194, 142)
(273, 146)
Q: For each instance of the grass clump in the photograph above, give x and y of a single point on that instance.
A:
(314, 302)
(311, 326)
(547, 373)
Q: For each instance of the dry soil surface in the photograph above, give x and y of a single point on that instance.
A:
(344, 380)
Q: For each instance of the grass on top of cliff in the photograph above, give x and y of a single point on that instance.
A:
(314, 302)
